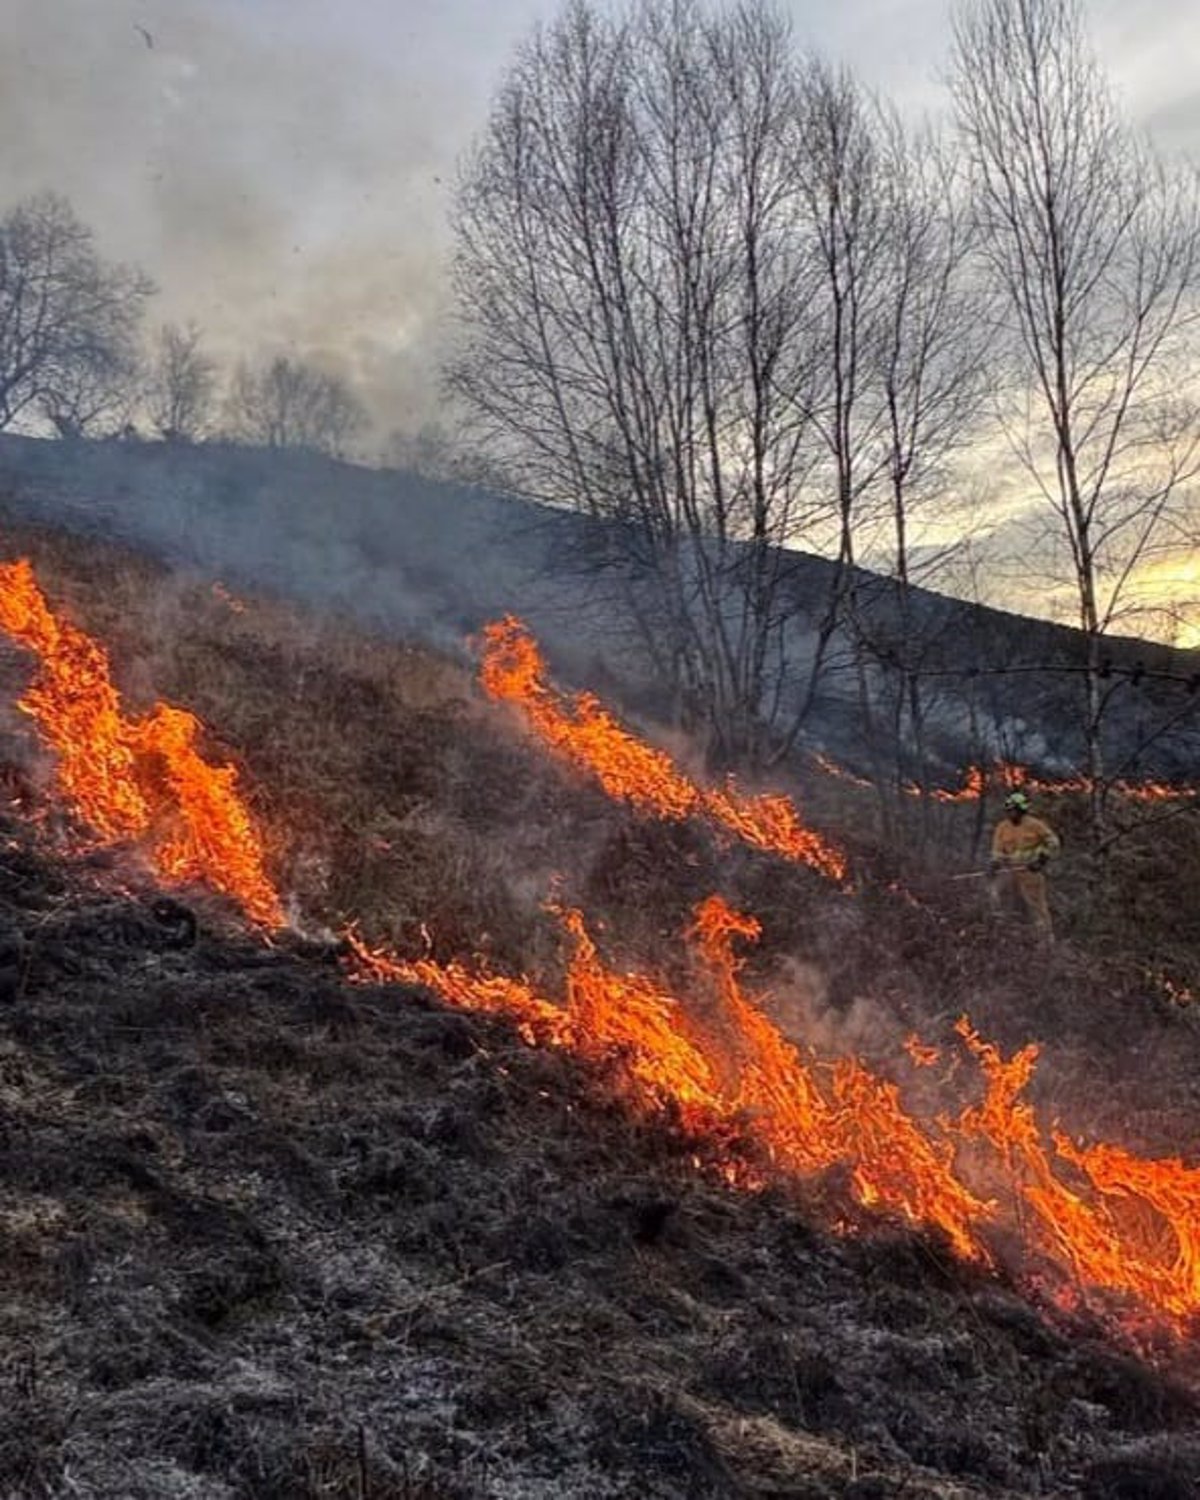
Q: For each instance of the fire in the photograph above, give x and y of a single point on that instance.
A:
(538, 1020)
(133, 778)
(1140, 1236)
(974, 786)
(806, 1115)
(1108, 1218)
(1006, 775)
(76, 708)
(1129, 1225)
(605, 1014)
(921, 1055)
(214, 839)
(584, 733)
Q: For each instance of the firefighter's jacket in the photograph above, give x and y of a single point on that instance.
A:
(1017, 845)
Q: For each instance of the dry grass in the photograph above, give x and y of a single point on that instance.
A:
(394, 796)
(275, 1239)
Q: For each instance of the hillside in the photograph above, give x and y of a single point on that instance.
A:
(270, 1232)
(264, 1235)
(425, 561)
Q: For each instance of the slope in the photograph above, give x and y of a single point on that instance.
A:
(422, 560)
(269, 1235)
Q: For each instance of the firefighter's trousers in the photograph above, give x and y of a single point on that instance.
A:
(1028, 887)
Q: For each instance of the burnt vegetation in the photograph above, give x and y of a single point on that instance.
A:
(268, 1234)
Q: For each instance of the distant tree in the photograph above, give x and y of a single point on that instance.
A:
(94, 394)
(182, 385)
(68, 322)
(287, 404)
(1094, 246)
(435, 453)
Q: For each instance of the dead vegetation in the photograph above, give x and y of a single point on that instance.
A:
(267, 1236)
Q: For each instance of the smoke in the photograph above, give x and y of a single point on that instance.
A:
(283, 168)
(286, 192)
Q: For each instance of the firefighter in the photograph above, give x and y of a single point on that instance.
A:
(1022, 847)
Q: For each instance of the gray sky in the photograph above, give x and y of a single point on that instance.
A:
(282, 167)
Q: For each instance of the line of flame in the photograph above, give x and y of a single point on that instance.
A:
(1008, 775)
(583, 732)
(1131, 1225)
(133, 778)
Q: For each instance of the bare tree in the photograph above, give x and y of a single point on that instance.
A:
(182, 385)
(637, 326)
(843, 199)
(93, 394)
(435, 452)
(68, 321)
(287, 404)
(1095, 248)
(929, 370)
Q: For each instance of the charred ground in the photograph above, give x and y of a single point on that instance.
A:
(266, 1234)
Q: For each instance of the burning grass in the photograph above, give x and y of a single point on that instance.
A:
(581, 730)
(263, 1234)
(133, 779)
(808, 1116)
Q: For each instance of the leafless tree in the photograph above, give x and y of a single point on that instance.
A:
(713, 298)
(68, 321)
(182, 385)
(927, 367)
(436, 452)
(94, 394)
(638, 336)
(1095, 247)
(844, 228)
(287, 404)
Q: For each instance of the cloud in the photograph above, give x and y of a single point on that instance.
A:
(283, 167)
(282, 195)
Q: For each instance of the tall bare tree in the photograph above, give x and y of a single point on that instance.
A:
(1095, 248)
(288, 404)
(182, 385)
(844, 201)
(929, 366)
(68, 320)
(638, 338)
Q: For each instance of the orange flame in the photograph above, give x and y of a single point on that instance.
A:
(921, 1055)
(109, 766)
(605, 1013)
(76, 709)
(805, 1115)
(1141, 1237)
(1005, 775)
(1129, 1225)
(1106, 1216)
(581, 730)
(215, 840)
